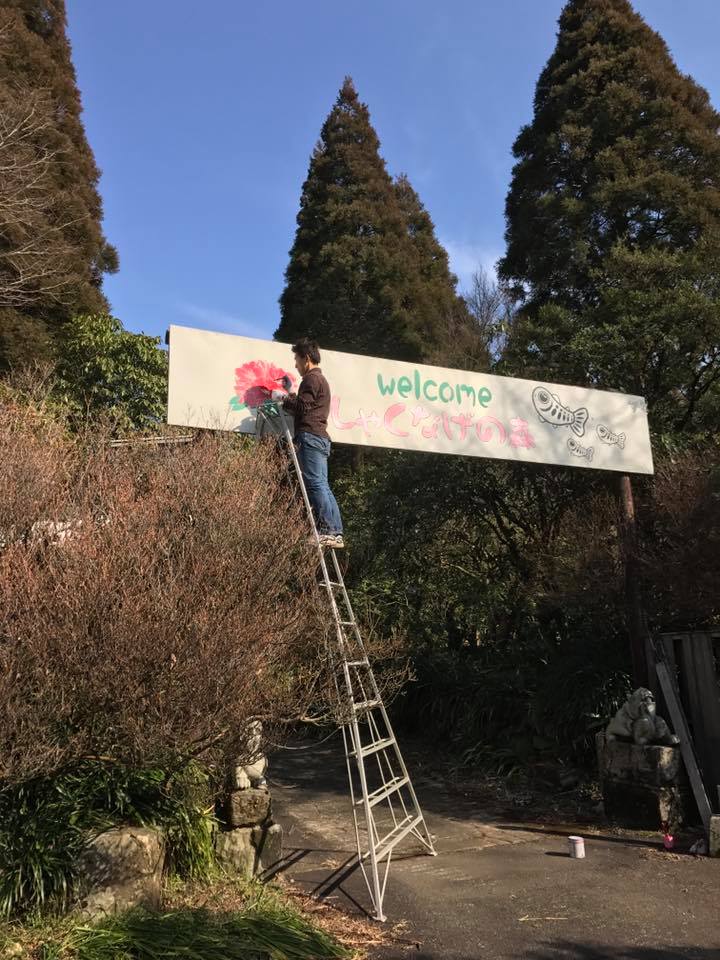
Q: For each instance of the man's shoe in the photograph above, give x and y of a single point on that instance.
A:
(332, 540)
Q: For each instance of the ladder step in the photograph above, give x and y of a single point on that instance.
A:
(347, 623)
(385, 791)
(397, 834)
(365, 705)
(372, 748)
(331, 583)
(358, 663)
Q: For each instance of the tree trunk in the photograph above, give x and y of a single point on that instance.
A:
(634, 609)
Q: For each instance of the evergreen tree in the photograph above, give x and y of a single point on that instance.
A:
(459, 341)
(53, 257)
(613, 218)
(366, 273)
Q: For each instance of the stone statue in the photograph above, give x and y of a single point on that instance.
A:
(637, 720)
(252, 773)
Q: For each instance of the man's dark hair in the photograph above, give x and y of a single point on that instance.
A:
(308, 349)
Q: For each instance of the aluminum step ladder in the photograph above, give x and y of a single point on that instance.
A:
(385, 808)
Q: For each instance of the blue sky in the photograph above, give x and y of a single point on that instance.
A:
(202, 118)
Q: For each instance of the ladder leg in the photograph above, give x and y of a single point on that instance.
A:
(376, 893)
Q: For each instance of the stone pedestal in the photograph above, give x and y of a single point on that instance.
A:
(249, 851)
(267, 841)
(246, 808)
(714, 838)
(234, 851)
(250, 842)
(642, 787)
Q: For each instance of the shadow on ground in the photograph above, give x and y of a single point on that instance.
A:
(563, 950)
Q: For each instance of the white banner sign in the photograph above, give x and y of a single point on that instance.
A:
(217, 380)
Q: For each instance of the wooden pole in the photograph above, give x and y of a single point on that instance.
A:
(634, 611)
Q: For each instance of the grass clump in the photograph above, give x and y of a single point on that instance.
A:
(228, 918)
(197, 934)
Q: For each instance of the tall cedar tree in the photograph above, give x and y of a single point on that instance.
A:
(366, 273)
(613, 219)
(52, 260)
(459, 341)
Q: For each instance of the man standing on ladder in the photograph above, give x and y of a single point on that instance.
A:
(310, 408)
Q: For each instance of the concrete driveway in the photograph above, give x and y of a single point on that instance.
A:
(497, 889)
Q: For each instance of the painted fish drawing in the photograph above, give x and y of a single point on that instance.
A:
(551, 410)
(607, 436)
(578, 450)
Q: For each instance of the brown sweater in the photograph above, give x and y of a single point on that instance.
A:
(311, 405)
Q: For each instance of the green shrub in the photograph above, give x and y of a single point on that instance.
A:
(507, 704)
(45, 823)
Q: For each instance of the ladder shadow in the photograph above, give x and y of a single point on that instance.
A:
(285, 862)
(334, 881)
(329, 884)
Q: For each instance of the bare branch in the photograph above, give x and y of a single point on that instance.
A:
(491, 309)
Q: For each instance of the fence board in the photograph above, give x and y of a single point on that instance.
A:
(686, 745)
(705, 705)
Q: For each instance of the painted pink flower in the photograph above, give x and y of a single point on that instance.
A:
(418, 413)
(255, 381)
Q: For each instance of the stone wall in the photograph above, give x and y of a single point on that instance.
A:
(120, 869)
(123, 867)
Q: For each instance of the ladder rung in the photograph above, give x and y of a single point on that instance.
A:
(397, 834)
(385, 791)
(331, 583)
(358, 663)
(347, 623)
(365, 705)
(372, 748)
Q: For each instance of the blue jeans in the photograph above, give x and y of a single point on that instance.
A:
(313, 453)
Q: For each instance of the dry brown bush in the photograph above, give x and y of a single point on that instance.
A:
(179, 604)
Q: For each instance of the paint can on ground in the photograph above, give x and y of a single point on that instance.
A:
(577, 847)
